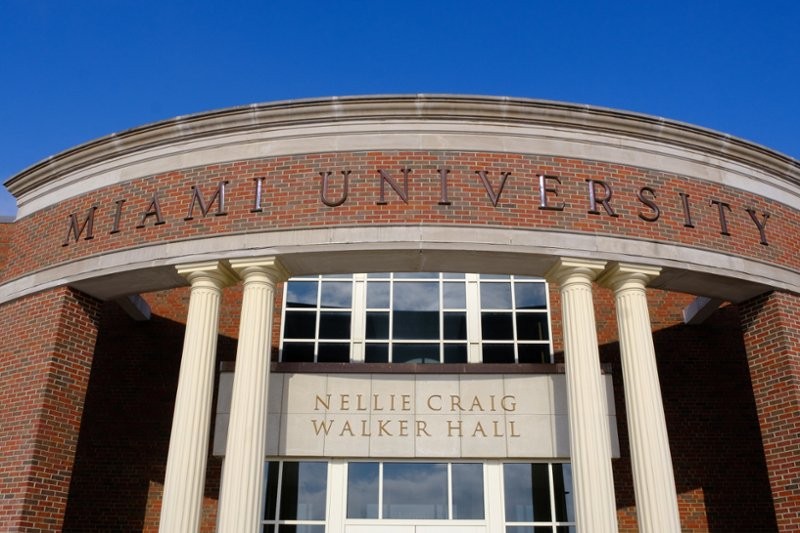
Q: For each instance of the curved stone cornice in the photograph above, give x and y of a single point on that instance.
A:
(404, 108)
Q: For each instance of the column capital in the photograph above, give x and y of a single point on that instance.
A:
(567, 267)
(618, 275)
(216, 272)
(271, 266)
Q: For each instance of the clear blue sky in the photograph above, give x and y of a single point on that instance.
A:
(72, 71)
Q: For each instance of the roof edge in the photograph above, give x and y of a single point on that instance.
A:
(404, 107)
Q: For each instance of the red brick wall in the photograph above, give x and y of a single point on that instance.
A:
(771, 326)
(44, 370)
(291, 199)
(5, 244)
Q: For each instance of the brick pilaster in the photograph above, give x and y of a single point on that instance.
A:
(45, 363)
(771, 325)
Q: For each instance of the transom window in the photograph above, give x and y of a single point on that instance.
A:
(416, 318)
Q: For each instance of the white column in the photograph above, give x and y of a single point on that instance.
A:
(242, 473)
(590, 443)
(653, 479)
(188, 445)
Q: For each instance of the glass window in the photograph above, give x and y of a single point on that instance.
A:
(415, 491)
(297, 491)
(318, 310)
(515, 323)
(467, 491)
(417, 317)
(362, 490)
(538, 497)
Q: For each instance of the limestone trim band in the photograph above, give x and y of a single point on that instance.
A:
(411, 248)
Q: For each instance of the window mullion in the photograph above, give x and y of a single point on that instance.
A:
(449, 491)
(319, 318)
(380, 490)
(358, 318)
(473, 292)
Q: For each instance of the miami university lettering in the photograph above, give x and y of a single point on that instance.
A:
(334, 192)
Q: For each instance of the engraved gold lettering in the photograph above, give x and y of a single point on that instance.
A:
(346, 428)
(508, 403)
(478, 429)
(321, 425)
(430, 402)
(325, 403)
(422, 428)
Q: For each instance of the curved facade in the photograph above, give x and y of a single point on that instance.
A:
(642, 227)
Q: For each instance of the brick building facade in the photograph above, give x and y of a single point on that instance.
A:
(102, 331)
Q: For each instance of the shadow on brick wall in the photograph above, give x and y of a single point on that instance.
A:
(715, 440)
(126, 425)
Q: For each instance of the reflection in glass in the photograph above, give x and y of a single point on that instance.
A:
(300, 325)
(532, 326)
(300, 528)
(497, 326)
(533, 353)
(530, 296)
(562, 487)
(333, 352)
(376, 353)
(455, 295)
(362, 490)
(377, 325)
(303, 489)
(415, 490)
(301, 294)
(336, 294)
(455, 353)
(416, 296)
(415, 325)
(298, 352)
(455, 326)
(495, 295)
(498, 353)
(416, 275)
(467, 491)
(527, 492)
(415, 353)
(334, 325)
(378, 295)
(271, 497)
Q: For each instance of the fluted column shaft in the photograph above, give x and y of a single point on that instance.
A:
(590, 443)
(653, 479)
(242, 474)
(188, 445)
